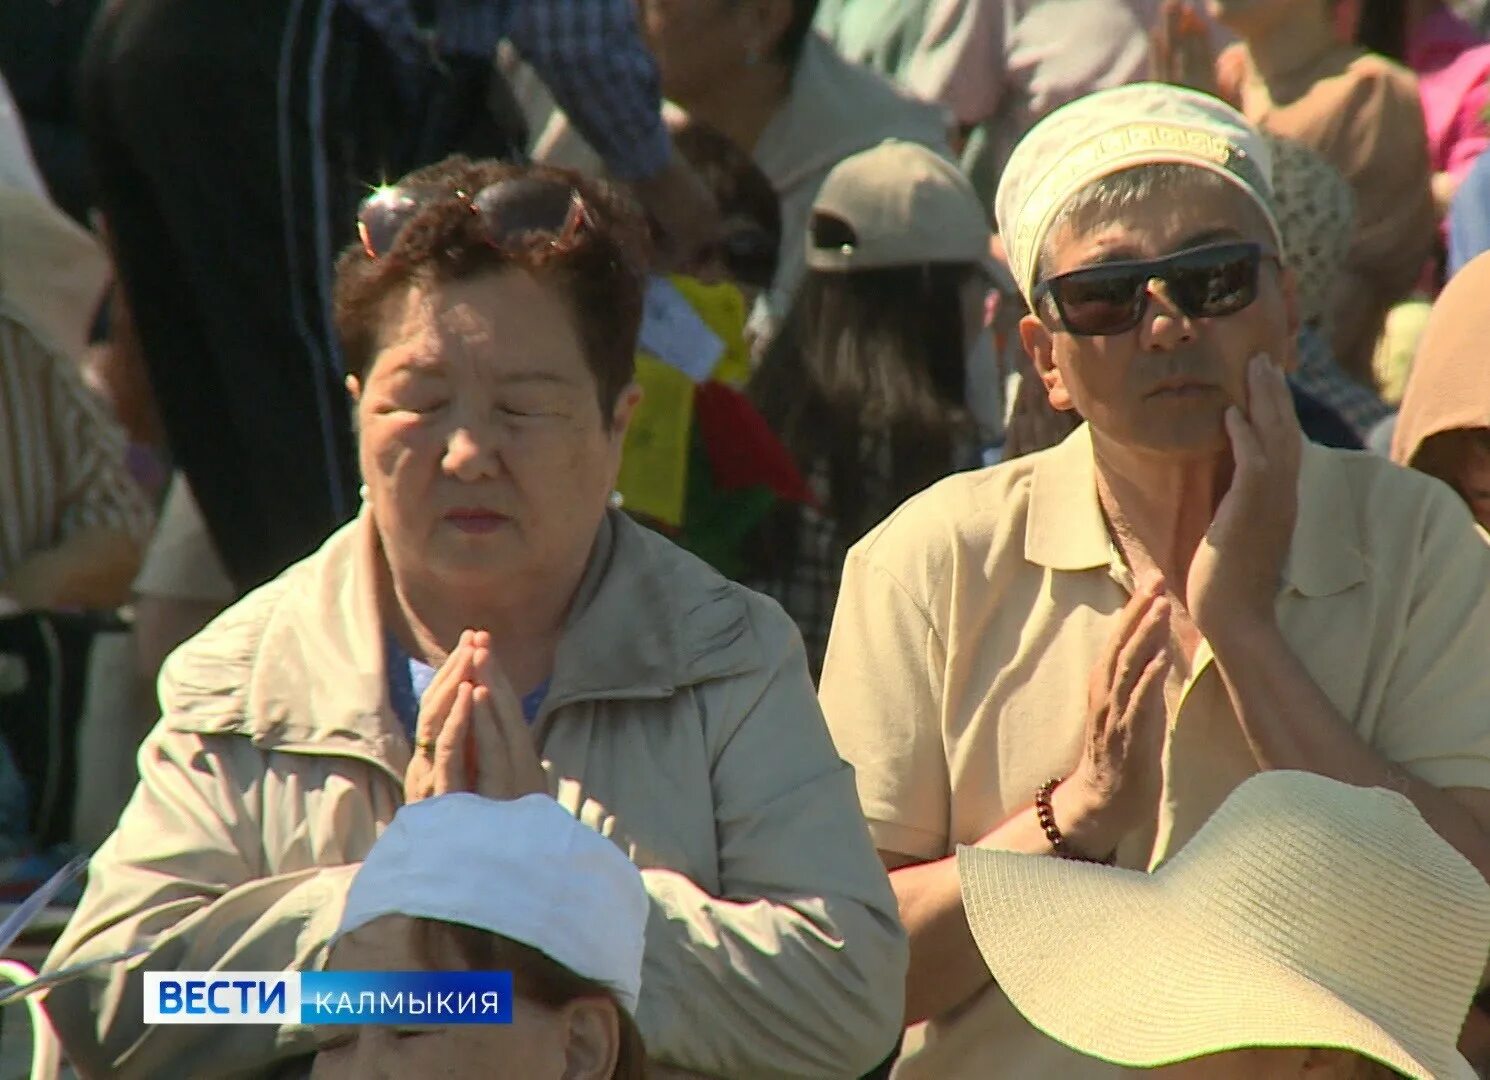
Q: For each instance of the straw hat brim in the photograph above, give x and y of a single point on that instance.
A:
(1162, 988)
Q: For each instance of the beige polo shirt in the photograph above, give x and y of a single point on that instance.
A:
(969, 621)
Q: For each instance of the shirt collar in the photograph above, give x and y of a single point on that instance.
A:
(1066, 529)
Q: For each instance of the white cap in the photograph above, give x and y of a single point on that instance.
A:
(526, 870)
(906, 205)
(1114, 130)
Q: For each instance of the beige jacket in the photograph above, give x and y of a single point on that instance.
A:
(681, 723)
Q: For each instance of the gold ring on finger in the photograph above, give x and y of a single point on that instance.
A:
(425, 747)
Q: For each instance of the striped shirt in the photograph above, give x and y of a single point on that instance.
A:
(589, 53)
(62, 455)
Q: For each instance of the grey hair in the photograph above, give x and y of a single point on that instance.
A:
(1107, 198)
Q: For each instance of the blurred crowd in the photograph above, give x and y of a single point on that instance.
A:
(917, 538)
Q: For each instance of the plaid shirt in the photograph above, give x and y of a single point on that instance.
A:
(809, 593)
(588, 52)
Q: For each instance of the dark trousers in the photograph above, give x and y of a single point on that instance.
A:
(232, 140)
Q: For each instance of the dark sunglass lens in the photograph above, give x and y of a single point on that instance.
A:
(1098, 301)
(382, 216)
(514, 209)
(1219, 283)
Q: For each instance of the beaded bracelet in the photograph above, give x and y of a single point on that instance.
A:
(1046, 816)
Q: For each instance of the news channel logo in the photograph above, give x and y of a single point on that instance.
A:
(328, 997)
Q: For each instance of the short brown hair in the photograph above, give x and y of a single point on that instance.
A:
(602, 275)
(742, 191)
(535, 975)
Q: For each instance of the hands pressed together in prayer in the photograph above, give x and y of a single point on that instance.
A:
(1119, 774)
(471, 735)
(1232, 586)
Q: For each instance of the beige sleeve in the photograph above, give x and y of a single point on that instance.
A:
(1436, 712)
(798, 967)
(880, 692)
(182, 874)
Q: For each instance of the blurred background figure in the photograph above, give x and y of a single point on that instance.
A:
(746, 247)
(882, 35)
(867, 382)
(1292, 76)
(1444, 426)
(75, 521)
(1451, 60)
(17, 165)
(1316, 216)
(757, 72)
(73, 518)
(41, 45)
(1001, 65)
(1469, 217)
(227, 205)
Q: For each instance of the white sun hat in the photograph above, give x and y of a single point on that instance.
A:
(524, 869)
(1304, 913)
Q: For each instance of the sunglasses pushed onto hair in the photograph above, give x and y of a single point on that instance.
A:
(515, 213)
(1207, 282)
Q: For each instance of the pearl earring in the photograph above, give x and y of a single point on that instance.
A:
(363, 493)
(616, 500)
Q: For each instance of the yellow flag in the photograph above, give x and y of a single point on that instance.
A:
(654, 465)
(723, 309)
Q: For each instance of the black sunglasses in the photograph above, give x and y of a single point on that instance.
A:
(1206, 282)
(514, 213)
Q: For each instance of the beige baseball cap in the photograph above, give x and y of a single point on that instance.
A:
(904, 205)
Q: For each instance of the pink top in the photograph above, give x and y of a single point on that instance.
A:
(1452, 63)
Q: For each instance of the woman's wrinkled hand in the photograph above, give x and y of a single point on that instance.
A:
(471, 735)
(1120, 772)
(440, 736)
(505, 760)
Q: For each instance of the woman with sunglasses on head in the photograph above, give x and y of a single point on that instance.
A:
(867, 382)
(490, 316)
(1082, 652)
